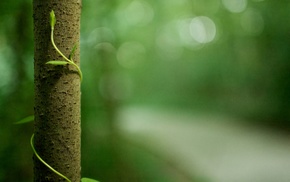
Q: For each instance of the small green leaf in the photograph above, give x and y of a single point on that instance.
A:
(88, 180)
(57, 62)
(52, 19)
(73, 51)
(25, 120)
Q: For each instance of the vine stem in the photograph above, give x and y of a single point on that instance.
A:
(47, 165)
(68, 60)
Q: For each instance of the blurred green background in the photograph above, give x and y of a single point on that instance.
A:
(227, 57)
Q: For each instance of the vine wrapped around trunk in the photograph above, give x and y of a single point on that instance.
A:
(57, 91)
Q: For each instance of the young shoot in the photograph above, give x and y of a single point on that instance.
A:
(66, 60)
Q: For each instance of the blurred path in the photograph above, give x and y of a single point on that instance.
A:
(217, 148)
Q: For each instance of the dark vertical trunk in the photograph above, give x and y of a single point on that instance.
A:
(57, 91)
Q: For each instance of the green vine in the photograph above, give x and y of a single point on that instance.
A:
(47, 165)
(31, 118)
(66, 60)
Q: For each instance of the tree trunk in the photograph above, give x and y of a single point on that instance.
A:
(57, 91)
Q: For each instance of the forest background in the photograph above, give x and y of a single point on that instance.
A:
(199, 56)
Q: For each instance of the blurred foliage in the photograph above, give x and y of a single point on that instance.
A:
(208, 55)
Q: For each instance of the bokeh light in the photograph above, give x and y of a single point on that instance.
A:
(202, 29)
(235, 6)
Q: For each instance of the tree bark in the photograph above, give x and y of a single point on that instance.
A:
(57, 91)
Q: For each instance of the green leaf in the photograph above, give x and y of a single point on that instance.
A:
(25, 120)
(88, 180)
(57, 62)
(73, 51)
(52, 19)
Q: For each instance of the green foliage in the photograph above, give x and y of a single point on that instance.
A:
(244, 70)
(88, 180)
(57, 62)
(72, 52)
(52, 19)
(25, 120)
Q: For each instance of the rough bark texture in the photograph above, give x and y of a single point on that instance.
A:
(57, 91)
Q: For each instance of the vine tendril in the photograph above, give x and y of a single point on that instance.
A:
(47, 165)
(67, 60)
